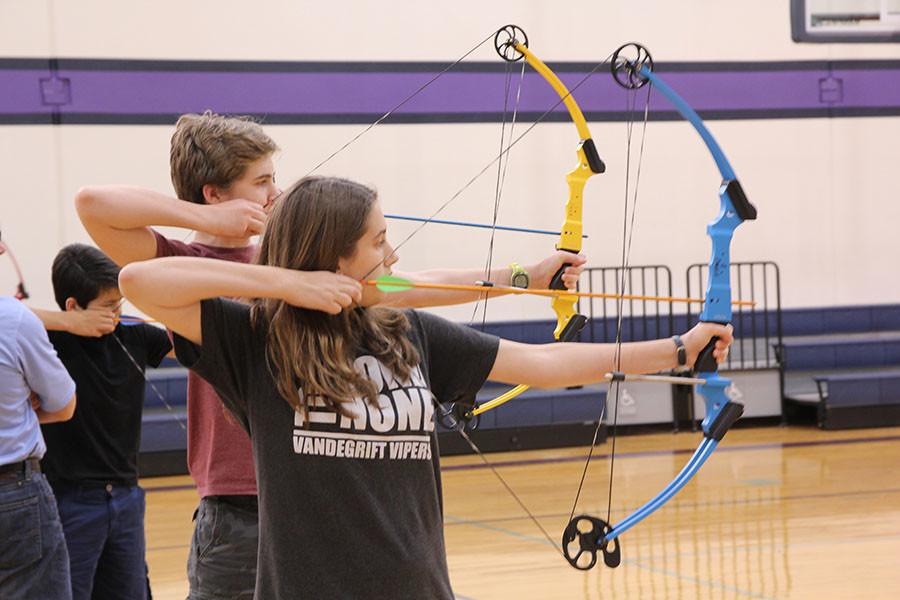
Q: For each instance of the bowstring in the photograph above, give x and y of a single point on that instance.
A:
(626, 257)
(391, 111)
(448, 418)
(399, 105)
(440, 209)
(502, 158)
(146, 379)
(614, 387)
(502, 168)
(4, 248)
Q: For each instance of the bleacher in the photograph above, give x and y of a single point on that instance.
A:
(842, 366)
(164, 424)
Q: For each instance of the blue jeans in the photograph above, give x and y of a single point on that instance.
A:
(222, 562)
(33, 558)
(104, 529)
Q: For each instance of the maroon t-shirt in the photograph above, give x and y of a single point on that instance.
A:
(220, 457)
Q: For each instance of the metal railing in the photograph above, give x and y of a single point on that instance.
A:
(641, 319)
(757, 328)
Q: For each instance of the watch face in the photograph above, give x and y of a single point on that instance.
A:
(520, 280)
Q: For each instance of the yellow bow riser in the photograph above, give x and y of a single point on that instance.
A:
(568, 321)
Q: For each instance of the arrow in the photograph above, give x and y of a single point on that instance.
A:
(126, 320)
(392, 284)
(478, 225)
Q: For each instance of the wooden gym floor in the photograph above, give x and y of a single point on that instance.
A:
(775, 513)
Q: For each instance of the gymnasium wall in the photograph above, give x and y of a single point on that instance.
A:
(827, 189)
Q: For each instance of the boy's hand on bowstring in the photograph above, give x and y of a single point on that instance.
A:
(234, 218)
(322, 290)
(90, 322)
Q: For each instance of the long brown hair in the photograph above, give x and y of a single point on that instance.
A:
(315, 223)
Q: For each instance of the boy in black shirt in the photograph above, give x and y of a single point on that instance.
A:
(91, 461)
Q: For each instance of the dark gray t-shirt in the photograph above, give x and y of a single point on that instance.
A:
(348, 507)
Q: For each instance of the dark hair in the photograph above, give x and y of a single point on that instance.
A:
(82, 272)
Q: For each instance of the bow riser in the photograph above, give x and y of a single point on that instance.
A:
(721, 412)
(569, 323)
(734, 210)
(571, 234)
(717, 307)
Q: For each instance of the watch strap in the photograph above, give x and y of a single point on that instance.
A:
(518, 276)
(680, 351)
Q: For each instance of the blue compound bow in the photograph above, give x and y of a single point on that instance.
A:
(585, 535)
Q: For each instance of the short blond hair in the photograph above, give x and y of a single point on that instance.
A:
(210, 149)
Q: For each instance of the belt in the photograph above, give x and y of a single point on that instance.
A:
(64, 486)
(243, 502)
(20, 469)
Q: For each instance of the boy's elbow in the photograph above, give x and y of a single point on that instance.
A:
(85, 200)
(138, 283)
(128, 278)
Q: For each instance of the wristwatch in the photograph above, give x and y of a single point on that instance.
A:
(680, 351)
(518, 277)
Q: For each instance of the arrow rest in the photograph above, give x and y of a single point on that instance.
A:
(590, 542)
(505, 41)
(626, 65)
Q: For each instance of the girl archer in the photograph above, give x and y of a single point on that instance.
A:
(338, 393)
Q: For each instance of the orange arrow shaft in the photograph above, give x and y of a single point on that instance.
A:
(494, 289)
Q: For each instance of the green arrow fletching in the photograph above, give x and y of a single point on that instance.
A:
(391, 283)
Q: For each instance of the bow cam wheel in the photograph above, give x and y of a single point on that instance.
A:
(590, 534)
(458, 417)
(505, 41)
(627, 65)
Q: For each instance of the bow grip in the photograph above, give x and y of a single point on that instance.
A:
(556, 282)
(706, 362)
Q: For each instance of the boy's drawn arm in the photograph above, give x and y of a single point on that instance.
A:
(119, 217)
(91, 322)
